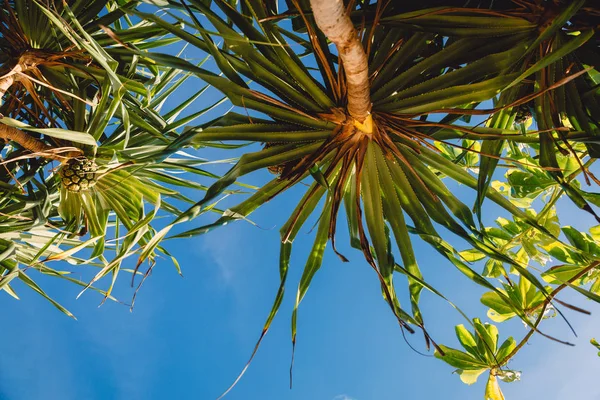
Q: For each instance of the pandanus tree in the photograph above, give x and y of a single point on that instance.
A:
(88, 152)
(370, 102)
(380, 107)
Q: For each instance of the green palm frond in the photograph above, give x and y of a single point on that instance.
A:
(97, 107)
(458, 96)
(388, 171)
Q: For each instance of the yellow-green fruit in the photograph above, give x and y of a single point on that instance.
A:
(78, 174)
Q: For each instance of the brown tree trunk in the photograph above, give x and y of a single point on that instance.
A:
(36, 146)
(26, 141)
(332, 19)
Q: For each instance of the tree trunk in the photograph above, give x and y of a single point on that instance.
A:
(332, 19)
(26, 141)
(30, 143)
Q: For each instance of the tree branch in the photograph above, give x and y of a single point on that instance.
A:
(332, 19)
(34, 145)
(26, 141)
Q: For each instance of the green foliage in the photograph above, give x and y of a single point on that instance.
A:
(432, 73)
(105, 103)
(392, 184)
(481, 354)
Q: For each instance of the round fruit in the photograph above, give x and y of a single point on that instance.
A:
(78, 174)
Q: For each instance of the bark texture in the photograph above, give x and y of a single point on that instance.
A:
(26, 141)
(332, 19)
(37, 146)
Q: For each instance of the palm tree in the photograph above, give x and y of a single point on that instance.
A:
(367, 102)
(88, 147)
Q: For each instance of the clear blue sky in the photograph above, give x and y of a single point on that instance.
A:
(188, 338)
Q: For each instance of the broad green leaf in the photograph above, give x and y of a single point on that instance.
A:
(470, 376)
(499, 309)
(507, 347)
(459, 359)
(467, 340)
(472, 255)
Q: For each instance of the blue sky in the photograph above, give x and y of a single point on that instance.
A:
(188, 338)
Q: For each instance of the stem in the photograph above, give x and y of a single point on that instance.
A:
(525, 339)
(332, 19)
